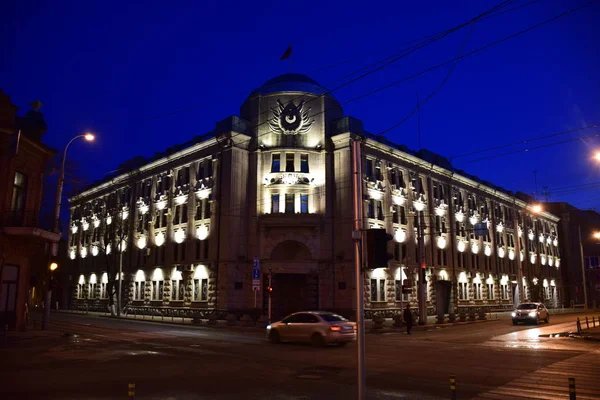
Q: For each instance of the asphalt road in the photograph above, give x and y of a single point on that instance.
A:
(99, 357)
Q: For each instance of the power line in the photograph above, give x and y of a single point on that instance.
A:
(525, 141)
(419, 105)
(531, 148)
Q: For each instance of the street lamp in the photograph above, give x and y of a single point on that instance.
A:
(596, 235)
(59, 187)
(597, 156)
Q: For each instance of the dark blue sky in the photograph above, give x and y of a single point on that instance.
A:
(112, 69)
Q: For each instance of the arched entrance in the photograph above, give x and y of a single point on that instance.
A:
(295, 286)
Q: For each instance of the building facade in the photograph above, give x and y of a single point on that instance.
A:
(24, 238)
(578, 230)
(276, 185)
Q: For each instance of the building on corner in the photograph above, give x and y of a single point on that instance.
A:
(275, 184)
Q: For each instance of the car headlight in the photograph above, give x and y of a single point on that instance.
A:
(513, 314)
(268, 327)
(532, 314)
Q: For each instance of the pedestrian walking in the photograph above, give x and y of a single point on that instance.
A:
(408, 318)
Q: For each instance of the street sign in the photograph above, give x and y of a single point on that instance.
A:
(256, 275)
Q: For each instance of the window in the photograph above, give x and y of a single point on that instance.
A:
(487, 263)
(442, 257)
(377, 290)
(304, 163)
(477, 291)
(289, 203)
(504, 292)
(103, 294)
(369, 168)
(177, 290)
(161, 219)
(275, 162)
(19, 194)
(395, 217)
(396, 251)
(200, 290)
(304, 203)
(475, 261)
(183, 176)
(181, 214)
(371, 209)
(463, 293)
(341, 285)
(274, 203)
(461, 259)
(490, 291)
(139, 288)
(403, 220)
(399, 295)
(80, 291)
(92, 291)
(179, 252)
(289, 162)
(380, 215)
(157, 290)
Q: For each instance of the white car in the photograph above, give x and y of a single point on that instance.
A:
(530, 312)
(317, 327)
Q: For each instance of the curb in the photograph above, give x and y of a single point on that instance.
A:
(585, 337)
(427, 327)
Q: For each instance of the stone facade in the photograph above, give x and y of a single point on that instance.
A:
(276, 185)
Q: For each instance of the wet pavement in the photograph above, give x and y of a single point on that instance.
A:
(96, 358)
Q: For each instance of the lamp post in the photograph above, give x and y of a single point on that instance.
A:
(59, 187)
(585, 300)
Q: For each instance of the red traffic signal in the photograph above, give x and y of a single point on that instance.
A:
(269, 289)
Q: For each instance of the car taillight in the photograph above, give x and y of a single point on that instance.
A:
(335, 328)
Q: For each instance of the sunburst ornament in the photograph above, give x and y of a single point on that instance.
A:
(290, 119)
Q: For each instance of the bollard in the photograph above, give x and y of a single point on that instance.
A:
(131, 391)
(594, 321)
(587, 323)
(452, 387)
(578, 326)
(572, 393)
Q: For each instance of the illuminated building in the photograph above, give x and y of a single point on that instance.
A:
(275, 184)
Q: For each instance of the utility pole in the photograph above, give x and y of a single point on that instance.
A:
(422, 295)
(357, 234)
(585, 299)
(120, 277)
(270, 289)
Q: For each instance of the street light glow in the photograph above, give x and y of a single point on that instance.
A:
(536, 209)
(597, 235)
(89, 137)
(53, 266)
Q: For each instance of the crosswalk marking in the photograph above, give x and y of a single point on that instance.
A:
(552, 381)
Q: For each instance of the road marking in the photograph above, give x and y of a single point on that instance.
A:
(551, 382)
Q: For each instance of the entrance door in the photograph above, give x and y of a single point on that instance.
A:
(442, 296)
(292, 293)
(8, 295)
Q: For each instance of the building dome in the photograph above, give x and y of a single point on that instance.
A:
(290, 83)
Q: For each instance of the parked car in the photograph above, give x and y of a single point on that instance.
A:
(317, 327)
(530, 312)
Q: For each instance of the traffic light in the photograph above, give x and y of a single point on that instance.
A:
(269, 289)
(377, 248)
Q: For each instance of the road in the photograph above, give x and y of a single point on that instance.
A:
(91, 357)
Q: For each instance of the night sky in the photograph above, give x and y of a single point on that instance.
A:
(147, 75)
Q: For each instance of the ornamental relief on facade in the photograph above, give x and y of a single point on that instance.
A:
(290, 119)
